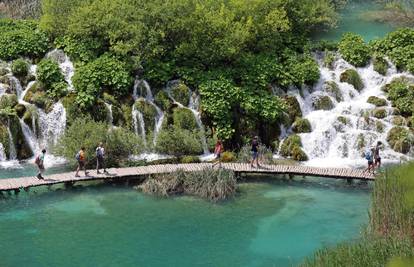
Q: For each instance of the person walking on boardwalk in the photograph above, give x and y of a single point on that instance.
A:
(255, 152)
(369, 156)
(40, 163)
(377, 157)
(100, 158)
(218, 149)
(80, 157)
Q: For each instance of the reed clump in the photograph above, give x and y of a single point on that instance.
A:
(212, 184)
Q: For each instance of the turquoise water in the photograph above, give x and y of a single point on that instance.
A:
(352, 19)
(274, 223)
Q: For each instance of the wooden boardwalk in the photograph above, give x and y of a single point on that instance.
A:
(134, 172)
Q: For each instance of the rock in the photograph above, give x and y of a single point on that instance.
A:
(322, 103)
(380, 65)
(329, 59)
(400, 139)
(377, 101)
(20, 110)
(379, 126)
(340, 123)
(3, 71)
(398, 121)
(293, 108)
(333, 90)
(301, 125)
(379, 113)
(181, 93)
(352, 77)
(8, 101)
(291, 147)
(298, 154)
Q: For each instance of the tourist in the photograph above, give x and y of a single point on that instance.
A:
(39, 161)
(369, 156)
(255, 152)
(100, 158)
(218, 149)
(80, 157)
(377, 157)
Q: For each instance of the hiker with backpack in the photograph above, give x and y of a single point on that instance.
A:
(80, 157)
(39, 161)
(369, 156)
(100, 158)
(255, 152)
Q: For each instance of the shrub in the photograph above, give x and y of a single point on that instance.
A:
(354, 50)
(104, 72)
(21, 38)
(214, 185)
(119, 143)
(48, 72)
(380, 65)
(8, 101)
(322, 103)
(400, 139)
(228, 156)
(298, 154)
(292, 108)
(181, 93)
(178, 142)
(162, 100)
(20, 67)
(377, 101)
(184, 118)
(352, 77)
(190, 159)
(401, 93)
(301, 126)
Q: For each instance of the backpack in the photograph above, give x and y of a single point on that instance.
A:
(368, 155)
(77, 156)
(37, 160)
(99, 153)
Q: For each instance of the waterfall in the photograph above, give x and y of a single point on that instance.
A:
(332, 143)
(139, 124)
(52, 125)
(193, 106)
(30, 137)
(24, 92)
(109, 116)
(2, 153)
(158, 122)
(142, 88)
(64, 64)
(16, 86)
(12, 148)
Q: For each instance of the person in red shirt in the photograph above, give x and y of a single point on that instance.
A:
(218, 149)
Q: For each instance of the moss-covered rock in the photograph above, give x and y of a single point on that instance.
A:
(8, 101)
(181, 93)
(291, 147)
(360, 142)
(4, 138)
(379, 126)
(377, 101)
(322, 103)
(298, 154)
(72, 109)
(22, 147)
(110, 99)
(352, 77)
(3, 71)
(344, 120)
(163, 101)
(329, 59)
(184, 118)
(293, 108)
(333, 90)
(20, 110)
(398, 121)
(228, 156)
(380, 65)
(149, 113)
(340, 123)
(301, 125)
(379, 113)
(410, 122)
(190, 159)
(400, 139)
(127, 116)
(20, 68)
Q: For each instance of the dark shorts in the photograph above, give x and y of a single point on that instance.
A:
(378, 160)
(81, 164)
(255, 154)
(218, 156)
(370, 162)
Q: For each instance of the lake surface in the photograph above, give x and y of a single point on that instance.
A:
(273, 223)
(352, 19)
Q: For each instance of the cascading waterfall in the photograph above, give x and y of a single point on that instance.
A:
(65, 64)
(334, 144)
(2, 153)
(110, 117)
(24, 92)
(52, 125)
(142, 89)
(139, 124)
(12, 148)
(16, 86)
(30, 137)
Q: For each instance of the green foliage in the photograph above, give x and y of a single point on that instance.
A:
(354, 50)
(184, 118)
(333, 90)
(352, 77)
(181, 93)
(105, 73)
(291, 147)
(163, 101)
(20, 67)
(21, 38)
(329, 59)
(8, 101)
(377, 101)
(401, 93)
(178, 142)
(148, 111)
(398, 121)
(190, 159)
(301, 125)
(380, 65)
(293, 110)
(400, 139)
(323, 102)
(228, 156)
(379, 113)
(119, 143)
